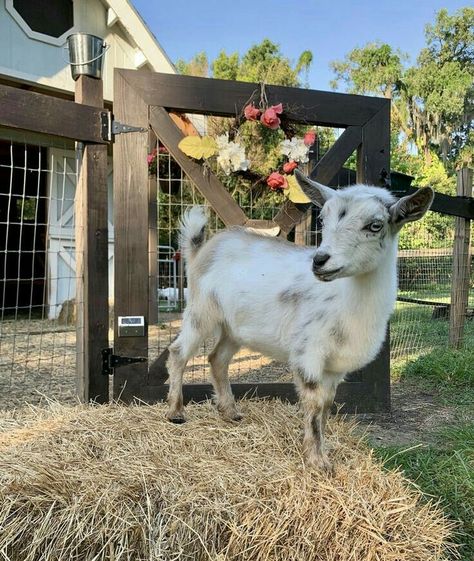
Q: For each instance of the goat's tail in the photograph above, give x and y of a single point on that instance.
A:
(193, 231)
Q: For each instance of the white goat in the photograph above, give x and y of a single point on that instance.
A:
(172, 294)
(323, 310)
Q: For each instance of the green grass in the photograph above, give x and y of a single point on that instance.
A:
(444, 366)
(444, 470)
(414, 333)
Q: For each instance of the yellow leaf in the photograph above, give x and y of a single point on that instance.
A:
(197, 147)
(209, 147)
(294, 191)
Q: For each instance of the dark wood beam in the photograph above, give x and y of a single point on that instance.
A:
(92, 262)
(25, 110)
(373, 168)
(447, 204)
(227, 98)
(131, 228)
(208, 184)
(373, 156)
(352, 396)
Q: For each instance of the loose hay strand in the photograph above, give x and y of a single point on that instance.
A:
(120, 483)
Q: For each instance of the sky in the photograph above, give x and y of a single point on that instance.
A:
(330, 29)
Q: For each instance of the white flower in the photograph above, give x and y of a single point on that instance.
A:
(295, 149)
(231, 155)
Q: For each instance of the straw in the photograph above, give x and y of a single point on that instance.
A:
(121, 483)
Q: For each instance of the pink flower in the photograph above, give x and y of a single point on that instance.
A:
(251, 112)
(289, 166)
(270, 117)
(309, 138)
(277, 181)
(163, 150)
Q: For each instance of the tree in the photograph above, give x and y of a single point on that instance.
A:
(261, 63)
(373, 69)
(197, 66)
(440, 90)
(432, 101)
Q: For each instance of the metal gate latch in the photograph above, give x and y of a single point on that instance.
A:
(111, 127)
(111, 361)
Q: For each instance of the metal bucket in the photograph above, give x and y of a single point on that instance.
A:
(86, 55)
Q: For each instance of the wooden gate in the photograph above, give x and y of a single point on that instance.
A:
(156, 102)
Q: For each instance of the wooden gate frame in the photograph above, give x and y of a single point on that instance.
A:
(157, 102)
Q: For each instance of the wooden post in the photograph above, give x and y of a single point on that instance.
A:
(132, 237)
(373, 168)
(153, 238)
(461, 264)
(92, 286)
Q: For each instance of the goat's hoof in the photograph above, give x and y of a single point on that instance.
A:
(232, 414)
(176, 418)
(321, 463)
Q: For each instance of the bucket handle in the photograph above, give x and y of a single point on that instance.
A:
(105, 48)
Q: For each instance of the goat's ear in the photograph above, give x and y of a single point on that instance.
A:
(317, 192)
(412, 207)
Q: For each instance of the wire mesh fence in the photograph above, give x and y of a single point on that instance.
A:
(421, 321)
(38, 277)
(37, 271)
(175, 193)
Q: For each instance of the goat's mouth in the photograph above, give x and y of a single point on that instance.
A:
(327, 276)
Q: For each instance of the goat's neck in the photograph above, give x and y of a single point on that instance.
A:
(376, 292)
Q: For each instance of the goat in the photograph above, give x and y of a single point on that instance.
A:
(323, 310)
(172, 294)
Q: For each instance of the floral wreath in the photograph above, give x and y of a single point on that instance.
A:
(230, 155)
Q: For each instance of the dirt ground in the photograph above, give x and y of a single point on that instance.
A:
(37, 362)
(414, 415)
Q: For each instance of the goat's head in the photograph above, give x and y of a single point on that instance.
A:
(358, 225)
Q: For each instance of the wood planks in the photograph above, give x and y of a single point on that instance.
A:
(131, 227)
(227, 98)
(91, 258)
(21, 109)
(461, 265)
(208, 184)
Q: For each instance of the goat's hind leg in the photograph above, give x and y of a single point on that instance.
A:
(219, 360)
(181, 350)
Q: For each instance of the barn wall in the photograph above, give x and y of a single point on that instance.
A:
(33, 60)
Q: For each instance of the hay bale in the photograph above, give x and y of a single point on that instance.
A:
(113, 482)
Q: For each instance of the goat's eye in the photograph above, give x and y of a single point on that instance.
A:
(374, 226)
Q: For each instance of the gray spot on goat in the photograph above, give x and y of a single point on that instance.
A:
(289, 296)
(316, 426)
(197, 240)
(338, 334)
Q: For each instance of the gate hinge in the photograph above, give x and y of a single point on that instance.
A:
(111, 361)
(111, 127)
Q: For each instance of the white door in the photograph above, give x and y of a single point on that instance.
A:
(61, 256)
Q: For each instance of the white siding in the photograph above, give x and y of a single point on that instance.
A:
(32, 60)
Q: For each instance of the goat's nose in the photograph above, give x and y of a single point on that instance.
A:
(320, 259)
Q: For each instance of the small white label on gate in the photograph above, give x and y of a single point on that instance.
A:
(131, 326)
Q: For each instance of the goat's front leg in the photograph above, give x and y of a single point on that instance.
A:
(316, 399)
